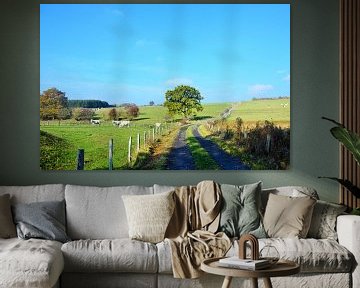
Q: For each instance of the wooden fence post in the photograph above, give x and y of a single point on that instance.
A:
(153, 133)
(144, 139)
(138, 142)
(80, 159)
(111, 151)
(268, 143)
(129, 150)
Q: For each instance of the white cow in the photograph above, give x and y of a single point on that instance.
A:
(95, 122)
(157, 126)
(124, 123)
(115, 123)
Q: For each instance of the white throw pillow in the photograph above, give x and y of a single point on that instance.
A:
(149, 215)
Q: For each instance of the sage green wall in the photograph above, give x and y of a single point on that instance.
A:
(314, 93)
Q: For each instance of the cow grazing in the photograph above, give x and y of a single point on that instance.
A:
(95, 122)
(115, 123)
(124, 123)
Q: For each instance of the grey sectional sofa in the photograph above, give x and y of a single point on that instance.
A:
(101, 254)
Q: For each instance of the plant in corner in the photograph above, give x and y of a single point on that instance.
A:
(351, 141)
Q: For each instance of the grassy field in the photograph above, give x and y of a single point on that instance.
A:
(95, 141)
(60, 141)
(277, 111)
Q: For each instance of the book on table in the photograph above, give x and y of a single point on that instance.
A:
(249, 264)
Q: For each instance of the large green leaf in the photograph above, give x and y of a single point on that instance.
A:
(349, 139)
(348, 185)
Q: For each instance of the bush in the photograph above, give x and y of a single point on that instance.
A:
(81, 114)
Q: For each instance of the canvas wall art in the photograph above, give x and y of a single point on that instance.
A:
(164, 86)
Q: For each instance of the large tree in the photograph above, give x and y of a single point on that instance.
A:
(183, 100)
(53, 104)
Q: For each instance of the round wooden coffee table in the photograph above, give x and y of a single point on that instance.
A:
(281, 268)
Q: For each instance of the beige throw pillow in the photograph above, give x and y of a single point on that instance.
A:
(149, 215)
(288, 217)
(7, 226)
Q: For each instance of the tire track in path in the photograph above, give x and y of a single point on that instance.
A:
(180, 157)
(222, 158)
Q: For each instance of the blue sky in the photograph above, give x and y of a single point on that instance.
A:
(136, 52)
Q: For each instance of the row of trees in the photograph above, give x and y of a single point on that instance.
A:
(54, 105)
(183, 100)
(88, 104)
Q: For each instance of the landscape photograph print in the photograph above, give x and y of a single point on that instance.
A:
(164, 86)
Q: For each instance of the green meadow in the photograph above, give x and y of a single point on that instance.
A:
(60, 141)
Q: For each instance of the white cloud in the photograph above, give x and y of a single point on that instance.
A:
(117, 12)
(286, 78)
(259, 89)
(178, 81)
(143, 42)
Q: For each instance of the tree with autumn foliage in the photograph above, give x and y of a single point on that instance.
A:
(54, 105)
(132, 111)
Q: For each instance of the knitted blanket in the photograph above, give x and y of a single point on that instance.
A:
(191, 232)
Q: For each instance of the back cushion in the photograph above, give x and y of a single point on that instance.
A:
(163, 188)
(36, 193)
(291, 191)
(98, 212)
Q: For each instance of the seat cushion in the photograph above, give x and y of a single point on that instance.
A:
(117, 255)
(313, 255)
(30, 263)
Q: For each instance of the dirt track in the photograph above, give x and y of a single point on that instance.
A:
(180, 156)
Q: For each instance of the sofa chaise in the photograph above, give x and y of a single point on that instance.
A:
(101, 254)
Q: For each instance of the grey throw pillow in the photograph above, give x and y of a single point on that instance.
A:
(323, 222)
(44, 220)
(7, 226)
(240, 213)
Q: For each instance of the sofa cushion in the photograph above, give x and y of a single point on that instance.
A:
(323, 222)
(43, 220)
(30, 263)
(149, 215)
(287, 216)
(313, 255)
(35, 193)
(291, 191)
(116, 255)
(240, 210)
(98, 212)
(7, 226)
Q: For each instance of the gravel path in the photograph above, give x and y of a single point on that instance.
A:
(222, 158)
(180, 156)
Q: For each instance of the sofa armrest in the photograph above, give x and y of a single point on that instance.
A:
(348, 230)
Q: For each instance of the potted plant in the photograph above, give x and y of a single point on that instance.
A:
(351, 141)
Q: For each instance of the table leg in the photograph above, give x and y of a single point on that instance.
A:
(254, 282)
(267, 283)
(227, 282)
